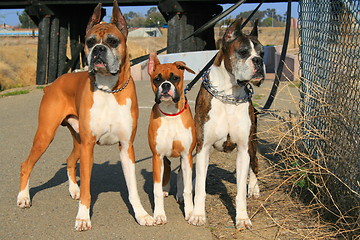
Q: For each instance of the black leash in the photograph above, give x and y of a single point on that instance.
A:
(282, 59)
(208, 65)
(196, 32)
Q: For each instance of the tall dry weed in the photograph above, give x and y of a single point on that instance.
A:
(304, 167)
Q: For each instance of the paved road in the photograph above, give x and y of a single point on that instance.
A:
(53, 212)
(52, 215)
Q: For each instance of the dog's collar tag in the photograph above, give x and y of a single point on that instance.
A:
(176, 114)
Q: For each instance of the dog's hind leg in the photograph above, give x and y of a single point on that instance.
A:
(71, 165)
(49, 121)
(186, 167)
(253, 186)
(166, 177)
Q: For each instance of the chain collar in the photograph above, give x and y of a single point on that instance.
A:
(110, 91)
(246, 97)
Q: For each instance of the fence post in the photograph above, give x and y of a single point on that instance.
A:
(182, 25)
(63, 37)
(43, 49)
(53, 50)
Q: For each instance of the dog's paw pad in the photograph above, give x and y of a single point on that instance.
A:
(23, 200)
(253, 191)
(160, 219)
(74, 191)
(197, 220)
(243, 223)
(82, 225)
(146, 220)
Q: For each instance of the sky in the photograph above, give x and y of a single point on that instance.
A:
(9, 16)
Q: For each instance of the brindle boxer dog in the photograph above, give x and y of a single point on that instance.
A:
(224, 117)
(98, 106)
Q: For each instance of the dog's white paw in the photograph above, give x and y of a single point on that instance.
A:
(74, 190)
(23, 199)
(146, 220)
(166, 194)
(243, 223)
(253, 191)
(82, 224)
(197, 219)
(160, 219)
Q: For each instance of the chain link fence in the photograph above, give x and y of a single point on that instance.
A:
(330, 67)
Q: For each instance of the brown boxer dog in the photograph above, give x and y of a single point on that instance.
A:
(98, 106)
(171, 133)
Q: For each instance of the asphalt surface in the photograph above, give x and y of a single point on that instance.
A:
(53, 212)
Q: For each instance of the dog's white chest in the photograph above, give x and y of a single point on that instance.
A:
(172, 129)
(110, 122)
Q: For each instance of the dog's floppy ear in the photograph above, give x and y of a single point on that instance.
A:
(95, 18)
(153, 61)
(254, 31)
(118, 19)
(181, 65)
(234, 30)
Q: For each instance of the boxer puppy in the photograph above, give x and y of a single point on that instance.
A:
(225, 118)
(99, 106)
(171, 133)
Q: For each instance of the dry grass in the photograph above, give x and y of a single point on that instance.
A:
(17, 62)
(142, 46)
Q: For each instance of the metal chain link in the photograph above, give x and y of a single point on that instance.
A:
(224, 97)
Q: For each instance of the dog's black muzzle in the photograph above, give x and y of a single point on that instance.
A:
(165, 89)
(98, 58)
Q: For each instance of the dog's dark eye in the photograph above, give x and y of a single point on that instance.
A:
(90, 42)
(243, 53)
(157, 79)
(113, 42)
(175, 78)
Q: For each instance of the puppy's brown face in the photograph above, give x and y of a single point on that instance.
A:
(105, 44)
(167, 80)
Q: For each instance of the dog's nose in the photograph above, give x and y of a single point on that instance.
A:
(99, 49)
(165, 87)
(257, 61)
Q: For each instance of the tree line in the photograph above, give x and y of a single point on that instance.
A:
(267, 18)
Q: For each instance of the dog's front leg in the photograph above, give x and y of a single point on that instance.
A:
(158, 172)
(127, 157)
(242, 170)
(83, 222)
(186, 166)
(198, 216)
